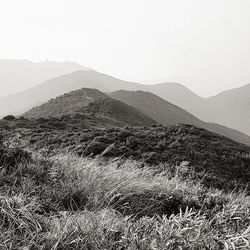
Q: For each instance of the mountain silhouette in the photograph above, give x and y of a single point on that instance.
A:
(23, 74)
(229, 108)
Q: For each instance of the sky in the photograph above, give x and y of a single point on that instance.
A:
(203, 44)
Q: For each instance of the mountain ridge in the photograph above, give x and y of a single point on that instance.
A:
(63, 84)
(210, 109)
(90, 101)
(131, 107)
(24, 74)
(167, 113)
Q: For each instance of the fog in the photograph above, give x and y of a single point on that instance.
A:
(204, 45)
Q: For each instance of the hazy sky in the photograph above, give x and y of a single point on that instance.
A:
(204, 44)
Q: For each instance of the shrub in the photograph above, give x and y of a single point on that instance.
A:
(95, 148)
(9, 118)
(11, 156)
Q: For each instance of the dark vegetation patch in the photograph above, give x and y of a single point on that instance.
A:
(72, 122)
(11, 156)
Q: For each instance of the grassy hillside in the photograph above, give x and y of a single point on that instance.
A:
(70, 202)
(64, 104)
(218, 161)
(119, 111)
(90, 102)
(84, 181)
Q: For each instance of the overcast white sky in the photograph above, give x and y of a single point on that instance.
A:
(203, 44)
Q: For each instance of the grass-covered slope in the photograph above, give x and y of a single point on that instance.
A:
(220, 162)
(69, 202)
(90, 102)
(119, 111)
(65, 104)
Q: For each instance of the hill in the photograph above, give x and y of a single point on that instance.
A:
(216, 160)
(173, 92)
(179, 95)
(23, 101)
(66, 103)
(70, 202)
(23, 74)
(231, 108)
(119, 111)
(90, 102)
(151, 108)
(166, 113)
(152, 105)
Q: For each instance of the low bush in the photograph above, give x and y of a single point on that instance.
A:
(9, 118)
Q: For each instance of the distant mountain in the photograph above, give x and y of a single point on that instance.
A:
(23, 74)
(177, 94)
(152, 105)
(23, 101)
(231, 108)
(174, 92)
(90, 101)
(166, 113)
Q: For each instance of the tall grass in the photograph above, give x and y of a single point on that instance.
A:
(69, 202)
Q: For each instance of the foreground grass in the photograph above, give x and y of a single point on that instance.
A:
(69, 202)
